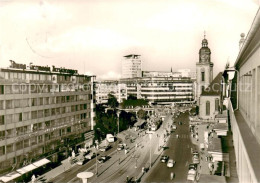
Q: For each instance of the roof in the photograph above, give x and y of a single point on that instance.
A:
(131, 55)
(214, 88)
(211, 178)
(251, 42)
(215, 145)
(220, 126)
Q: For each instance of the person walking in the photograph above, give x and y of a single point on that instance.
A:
(172, 174)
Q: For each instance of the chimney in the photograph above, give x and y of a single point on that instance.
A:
(242, 40)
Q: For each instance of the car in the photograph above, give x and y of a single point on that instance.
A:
(193, 166)
(120, 147)
(102, 159)
(180, 123)
(105, 148)
(82, 161)
(196, 159)
(91, 155)
(170, 163)
(191, 175)
(164, 158)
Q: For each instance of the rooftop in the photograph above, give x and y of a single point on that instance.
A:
(215, 87)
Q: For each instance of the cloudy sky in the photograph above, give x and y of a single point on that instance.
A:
(92, 36)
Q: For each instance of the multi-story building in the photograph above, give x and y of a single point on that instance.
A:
(131, 66)
(44, 112)
(162, 90)
(103, 88)
(244, 105)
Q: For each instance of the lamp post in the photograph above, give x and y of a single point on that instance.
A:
(150, 136)
(96, 142)
(118, 112)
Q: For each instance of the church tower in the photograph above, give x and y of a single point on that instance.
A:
(204, 68)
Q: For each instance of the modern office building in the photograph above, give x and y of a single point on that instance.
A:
(131, 66)
(44, 112)
(114, 87)
(161, 90)
(244, 105)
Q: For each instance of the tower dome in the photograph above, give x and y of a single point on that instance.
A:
(204, 52)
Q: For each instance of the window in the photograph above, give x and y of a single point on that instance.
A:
(41, 101)
(207, 108)
(26, 143)
(202, 88)
(8, 104)
(9, 148)
(216, 104)
(2, 150)
(2, 135)
(34, 101)
(1, 104)
(47, 101)
(202, 76)
(34, 114)
(2, 89)
(19, 145)
(20, 116)
(47, 112)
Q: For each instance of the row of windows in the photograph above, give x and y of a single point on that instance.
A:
(42, 88)
(208, 106)
(10, 133)
(21, 103)
(41, 77)
(24, 116)
(39, 139)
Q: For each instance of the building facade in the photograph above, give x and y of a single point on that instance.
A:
(204, 69)
(114, 87)
(131, 66)
(44, 112)
(244, 105)
(210, 103)
(161, 90)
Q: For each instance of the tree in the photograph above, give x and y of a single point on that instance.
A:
(141, 114)
(132, 97)
(112, 101)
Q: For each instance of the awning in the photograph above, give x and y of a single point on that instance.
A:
(10, 176)
(41, 162)
(26, 169)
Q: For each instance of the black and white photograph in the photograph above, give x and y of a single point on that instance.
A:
(129, 91)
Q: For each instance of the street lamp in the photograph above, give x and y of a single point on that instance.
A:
(150, 136)
(118, 112)
(96, 142)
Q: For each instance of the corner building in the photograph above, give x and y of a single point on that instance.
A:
(43, 113)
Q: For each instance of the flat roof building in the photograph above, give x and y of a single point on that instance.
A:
(131, 66)
(44, 112)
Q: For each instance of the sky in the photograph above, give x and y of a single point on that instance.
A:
(92, 36)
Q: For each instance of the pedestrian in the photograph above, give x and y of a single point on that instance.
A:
(171, 175)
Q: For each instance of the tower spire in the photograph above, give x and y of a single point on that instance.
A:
(171, 69)
(204, 34)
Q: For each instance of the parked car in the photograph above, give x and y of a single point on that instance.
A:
(164, 158)
(170, 163)
(102, 159)
(193, 166)
(120, 147)
(196, 159)
(91, 155)
(82, 161)
(105, 148)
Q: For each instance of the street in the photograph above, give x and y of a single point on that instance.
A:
(121, 165)
(179, 150)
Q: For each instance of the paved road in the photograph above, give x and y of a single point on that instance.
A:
(179, 150)
(72, 173)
